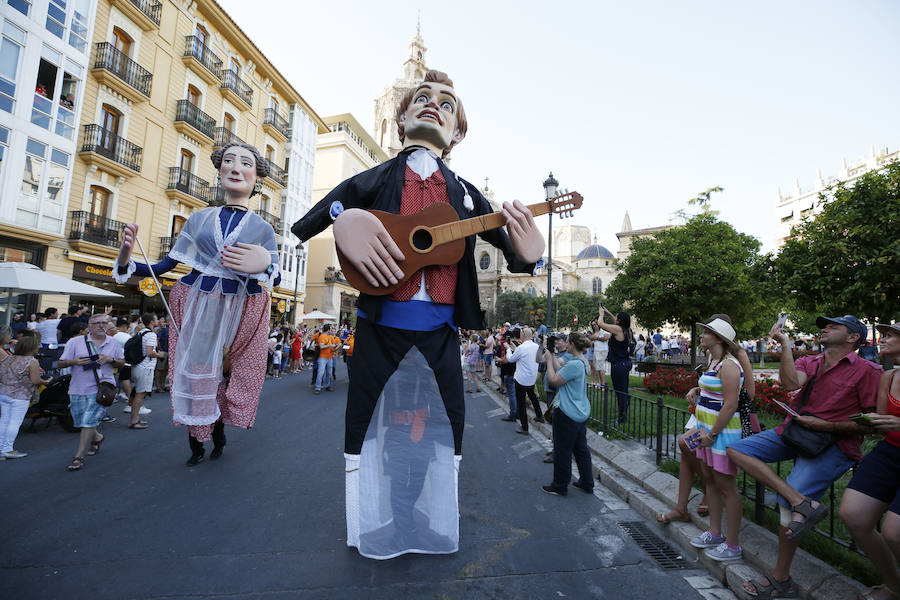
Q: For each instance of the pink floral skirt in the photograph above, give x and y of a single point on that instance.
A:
(238, 397)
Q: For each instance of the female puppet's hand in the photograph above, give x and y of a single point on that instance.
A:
(364, 241)
(128, 235)
(526, 240)
(246, 258)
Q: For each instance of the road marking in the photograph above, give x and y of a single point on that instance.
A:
(709, 588)
(496, 412)
(525, 448)
(606, 546)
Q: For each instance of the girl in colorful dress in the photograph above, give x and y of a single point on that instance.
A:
(719, 424)
(222, 305)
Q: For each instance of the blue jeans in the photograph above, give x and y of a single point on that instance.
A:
(323, 376)
(810, 476)
(569, 438)
(510, 384)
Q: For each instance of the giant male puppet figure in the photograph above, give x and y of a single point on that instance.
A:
(405, 406)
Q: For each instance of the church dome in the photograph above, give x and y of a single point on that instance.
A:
(594, 251)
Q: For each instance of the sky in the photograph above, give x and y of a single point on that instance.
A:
(637, 105)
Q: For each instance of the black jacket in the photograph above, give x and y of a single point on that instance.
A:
(380, 188)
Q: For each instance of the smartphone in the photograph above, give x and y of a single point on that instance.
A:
(861, 419)
(782, 319)
(787, 408)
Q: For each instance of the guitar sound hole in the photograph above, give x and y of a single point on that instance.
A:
(421, 240)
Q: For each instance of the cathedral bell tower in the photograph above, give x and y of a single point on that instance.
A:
(414, 69)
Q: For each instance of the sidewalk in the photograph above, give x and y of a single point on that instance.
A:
(629, 470)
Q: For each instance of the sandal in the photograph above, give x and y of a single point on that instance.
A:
(772, 589)
(95, 446)
(870, 594)
(77, 464)
(138, 425)
(673, 516)
(798, 529)
(703, 510)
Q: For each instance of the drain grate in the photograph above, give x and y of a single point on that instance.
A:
(665, 555)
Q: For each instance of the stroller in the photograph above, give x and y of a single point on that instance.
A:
(53, 400)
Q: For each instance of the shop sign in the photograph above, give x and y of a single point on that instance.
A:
(281, 306)
(148, 287)
(100, 273)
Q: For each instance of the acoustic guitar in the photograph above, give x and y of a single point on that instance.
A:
(436, 236)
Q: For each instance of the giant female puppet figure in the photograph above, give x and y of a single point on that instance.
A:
(220, 310)
(405, 407)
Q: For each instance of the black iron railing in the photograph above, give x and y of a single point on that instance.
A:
(196, 118)
(277, 174)
(110, 58)
(206, 57)
(277, 121)
(151, 9)
(94, 228)
(223, 137)
(271, 219)
(217, 195)
(231, 81)
(165, 246)
(187, 182)
(106, 143)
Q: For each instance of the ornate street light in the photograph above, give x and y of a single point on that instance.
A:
(550, 187)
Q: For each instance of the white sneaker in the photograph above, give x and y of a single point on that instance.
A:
(145, 410)
(724, 552)
(122, 397)
(707, 540)
(127, 409)
(15, 454)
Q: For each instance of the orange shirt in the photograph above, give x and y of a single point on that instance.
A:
(324, 340)
(349, 342)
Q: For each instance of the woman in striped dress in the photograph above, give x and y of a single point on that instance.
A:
(719, 424)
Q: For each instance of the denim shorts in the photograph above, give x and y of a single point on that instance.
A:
(810, 476)
(878, 475)
(85, 410)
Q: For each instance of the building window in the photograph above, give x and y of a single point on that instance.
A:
(177, 223)
(4, 145)
(79, 30)
(193, 95)
(235, 66)
(45, 88)
(270, 153)
(485, 261)
(263, 203)
(596, 286)
(99, 201)
(23, 6)
(29, 197)
(187, 161)
(273, 103)
(530, 290)
(56, 179)
(228, 122)
(11, 47)
(65, 115)
(56, 17)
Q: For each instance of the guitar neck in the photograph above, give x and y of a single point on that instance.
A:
(449, 232)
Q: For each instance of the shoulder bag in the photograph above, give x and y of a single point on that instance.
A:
(106, 392)
(807, 442)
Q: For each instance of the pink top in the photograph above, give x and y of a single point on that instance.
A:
(893, 408)
(15, 381)
(83, 382)
(489, 345)
(849, 387)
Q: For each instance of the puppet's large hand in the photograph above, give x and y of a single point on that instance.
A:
(526, 240)
(128, 235)
(246, 258)
(364, 241)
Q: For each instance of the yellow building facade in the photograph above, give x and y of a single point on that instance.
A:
(168, 84)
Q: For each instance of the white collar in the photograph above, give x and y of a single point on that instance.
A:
(423, 162)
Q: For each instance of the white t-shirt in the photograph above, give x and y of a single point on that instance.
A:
(601, 347)
(122, 337)
(149, 339)
(525, 357)
(47, 329)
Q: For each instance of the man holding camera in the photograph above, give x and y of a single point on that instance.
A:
(525, 357)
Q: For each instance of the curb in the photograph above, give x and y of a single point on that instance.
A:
(624, 465)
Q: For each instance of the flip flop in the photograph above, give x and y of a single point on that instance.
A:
(95, 446)
(138, 425)
(77, 464)
(673, 516)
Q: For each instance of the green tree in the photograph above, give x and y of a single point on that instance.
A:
(846, 259)
(571, 303)
(688, 272)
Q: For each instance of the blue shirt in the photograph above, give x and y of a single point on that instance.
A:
(572, 398)
(414, 315)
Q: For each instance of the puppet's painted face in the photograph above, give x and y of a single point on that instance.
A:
(238, 172)
(431, 118)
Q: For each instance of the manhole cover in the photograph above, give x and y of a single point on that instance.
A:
(662, 553)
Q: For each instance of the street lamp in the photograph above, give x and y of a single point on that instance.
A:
(301, 254)
(550, 186)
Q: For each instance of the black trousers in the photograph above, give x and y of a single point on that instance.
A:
(570, 438)
(376, 355)
(521, 391)
(619, 374)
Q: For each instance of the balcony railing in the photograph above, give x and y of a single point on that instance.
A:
(196, 118)
(110, 58)
(217, 195)
(231, 81)
(277, 121)
(224, 137)
(277, 174)
(93, 228)
(271, 219)
(149, 8)
(206, 57)
(165, 246)
(106, 143)
(187, 182)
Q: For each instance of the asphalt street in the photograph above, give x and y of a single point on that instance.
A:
(267, 519)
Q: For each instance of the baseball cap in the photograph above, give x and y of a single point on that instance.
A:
(848, 321)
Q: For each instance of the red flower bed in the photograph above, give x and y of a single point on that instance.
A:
(672, 382)
(767, 390)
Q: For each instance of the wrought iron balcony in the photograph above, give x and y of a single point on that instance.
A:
(224, 137)
(109, 58)
(271, 219)
(149, 8)
(231, 82)
(165, 246)
(196, 52)
(276, 121)
(105, 143)
(96, 229)
(185, 112)
(277, 174)
(217, 196)
(186, 182)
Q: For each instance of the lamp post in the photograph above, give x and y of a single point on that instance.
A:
(301, 253)
(550, 186)
(556, 322)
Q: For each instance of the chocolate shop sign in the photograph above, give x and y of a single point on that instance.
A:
(98, 273)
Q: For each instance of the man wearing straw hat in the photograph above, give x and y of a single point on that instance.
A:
(836, 384)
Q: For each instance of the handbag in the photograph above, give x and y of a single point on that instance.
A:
(106, 392)
(807, 442)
